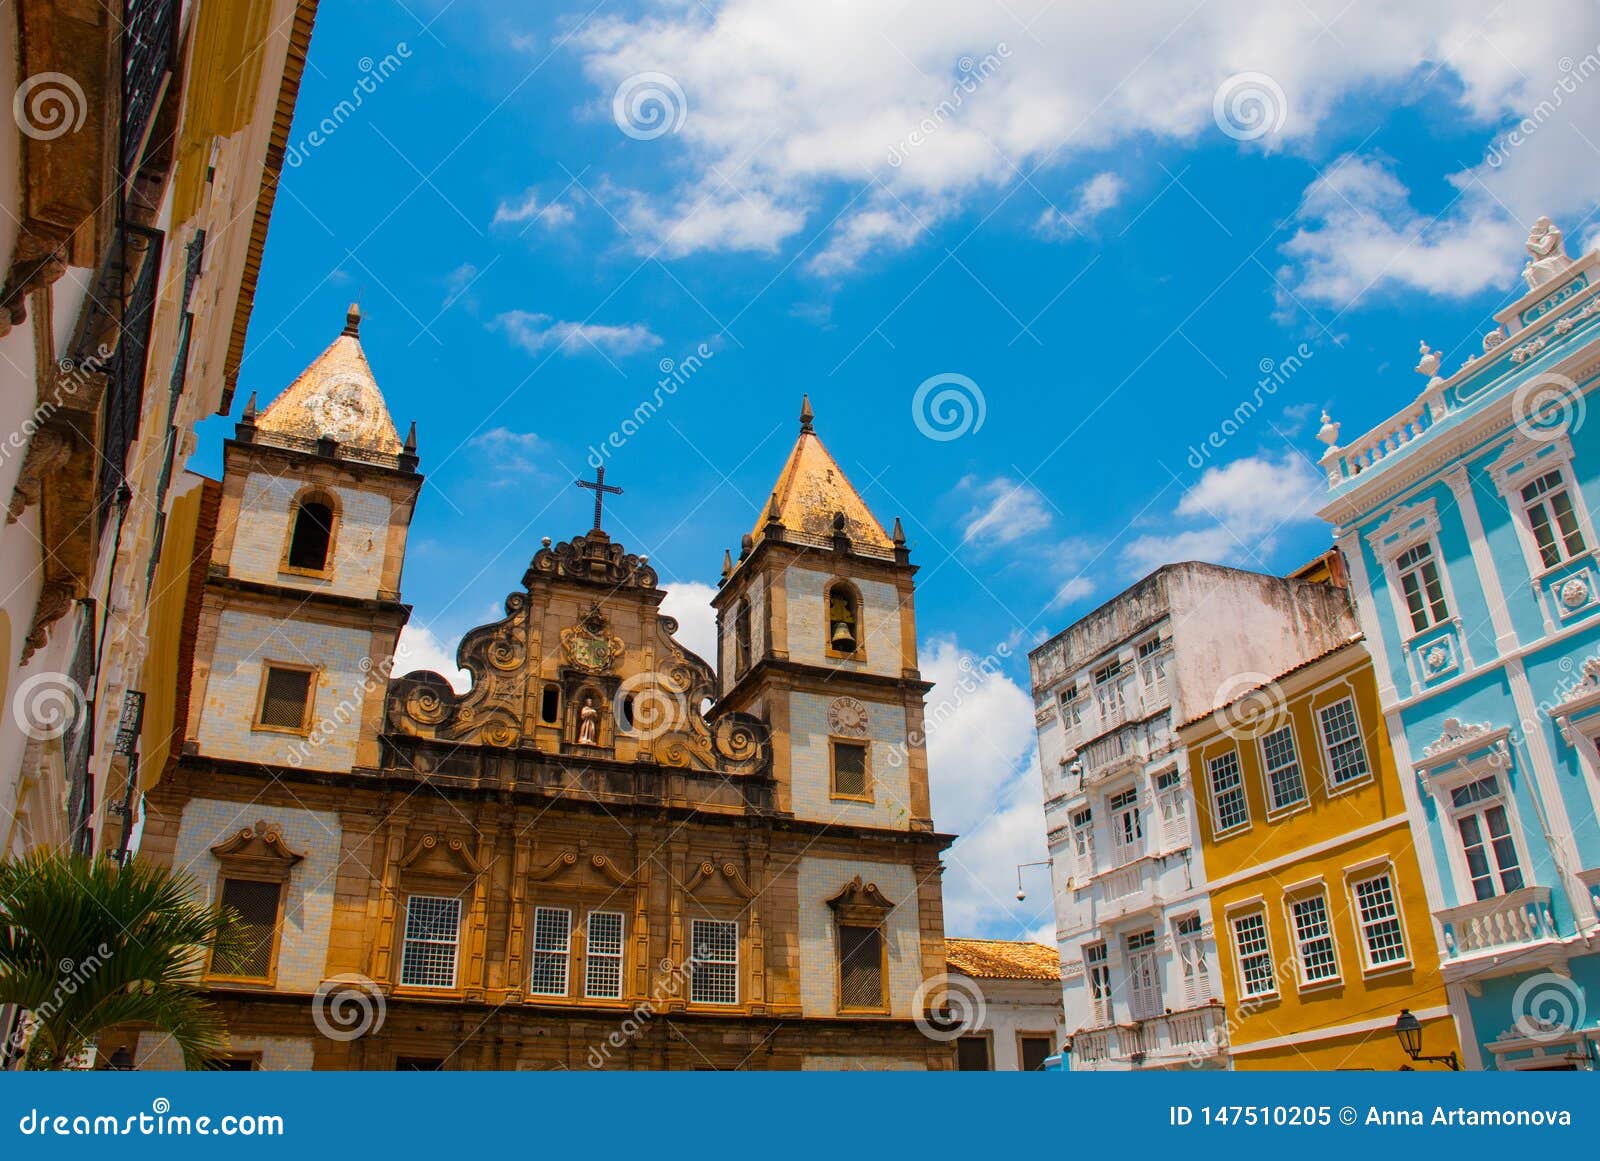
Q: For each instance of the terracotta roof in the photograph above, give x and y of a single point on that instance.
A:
(336, 395)
(812, 488)
(1002, 959)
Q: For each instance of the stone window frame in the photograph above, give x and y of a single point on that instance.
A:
(1524, 460)
(322, 494)
(869, 786)
(314, 674)
(713, 915)
(256, 854)
(859, 607)
(462, 917)
(1478, 753)
(861, 905)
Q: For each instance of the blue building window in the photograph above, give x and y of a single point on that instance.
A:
(1486, 838)
(1553, 520)
(1424, 592)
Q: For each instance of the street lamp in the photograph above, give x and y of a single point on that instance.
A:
(1021, 894)
(1409, 1031)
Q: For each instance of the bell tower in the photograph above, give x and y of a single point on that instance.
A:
(301, 610)
(817, 635)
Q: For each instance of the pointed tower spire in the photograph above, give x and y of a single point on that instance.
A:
(727, 564)
(814, 497)
(411, 446)
(352, 321)
(335, 396)
(249, 415)
(806, 414)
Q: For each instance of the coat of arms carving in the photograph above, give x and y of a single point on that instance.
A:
(590, 645)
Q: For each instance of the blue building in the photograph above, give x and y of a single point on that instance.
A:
(1466, 521)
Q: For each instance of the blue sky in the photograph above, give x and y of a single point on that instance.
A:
(1116, 221)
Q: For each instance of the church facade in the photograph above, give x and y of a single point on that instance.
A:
(608, 852)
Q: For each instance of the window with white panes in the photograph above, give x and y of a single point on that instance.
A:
(1552, 519)
(1255, 954)
(1072, 707)
(1173, 808)
(433, 930)
(1342, 742)
(1097, 970)
(1286, 785)
(1313, 937)
(1108, 692)
(1153, 655)
(1421, 586)
(1379, 914)
(1127, 833)
(1083, 842)
(552, 950)
(714, 961)
(1483, 825)
(1144, 976)
(1192, 963)
(1229, 808)
(602, 973)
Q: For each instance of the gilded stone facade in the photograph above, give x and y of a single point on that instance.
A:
(642, 861)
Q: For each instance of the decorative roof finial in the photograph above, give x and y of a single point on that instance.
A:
(411, 438)
(1547, 254)
(727, 564)
(249, 415)
(806, 414)
(352, 320)
(774, 513)
(1429, 365)
(1330, 432)
(899, 533)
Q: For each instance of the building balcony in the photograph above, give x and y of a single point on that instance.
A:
(1129, 889)
(1195, 1038)
(1486, 928)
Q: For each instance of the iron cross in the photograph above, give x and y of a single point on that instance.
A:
(599, 486)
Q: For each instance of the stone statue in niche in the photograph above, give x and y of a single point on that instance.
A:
(588, 723)
(1547, 254)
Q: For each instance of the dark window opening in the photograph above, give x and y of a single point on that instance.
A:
(741, 638)
(283, 704)
(850, 769)
(972, 1054)
(418, 1064)
(860, 967)
(843, 617)
(550, 705)
(1035, 1050)
(313, 533)
(257, 906)
(627, 711)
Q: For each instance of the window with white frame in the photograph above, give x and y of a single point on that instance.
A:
(1255, 954)
(1173, 807)
(1108, 692)
(1313, 937)
(714, 961)
(1342, 742)
(1552, 519)
(1229, 808)
(1484, 827)
(1191, 947)
(1144, 976)
(1286, 785)
(1153, 655)
(1083, 842)
(1072, 706)
(1421, 586)
(433, 929)
(602, 973)
(1097, 970)
(1127, 834)
(552, 948)
(1379, 914)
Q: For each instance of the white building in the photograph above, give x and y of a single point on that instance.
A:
(1016, 994)
(1132, 920)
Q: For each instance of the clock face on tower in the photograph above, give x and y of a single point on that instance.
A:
(848, 717)
(337, 411)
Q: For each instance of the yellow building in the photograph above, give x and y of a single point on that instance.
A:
(1322, 928)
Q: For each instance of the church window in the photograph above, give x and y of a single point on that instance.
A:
(860, 967)
(552, 944)
(550, 705)
(844, 621)
(433, 929)
(285, 698)
(741, 638)
(627, 711)
(312, 534)
(256, 904)
(714, 961)
(850, 770)
(603, 950)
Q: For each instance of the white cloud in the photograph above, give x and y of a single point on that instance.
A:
(535, 332)
(1005, 511)
(782, 114)
(1245, 504)
(984, 781)
(528, 207)
(513, 456)
(1100, 193)
(1076, 589)
(878, 230)
(419, 649)
(690, 603)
